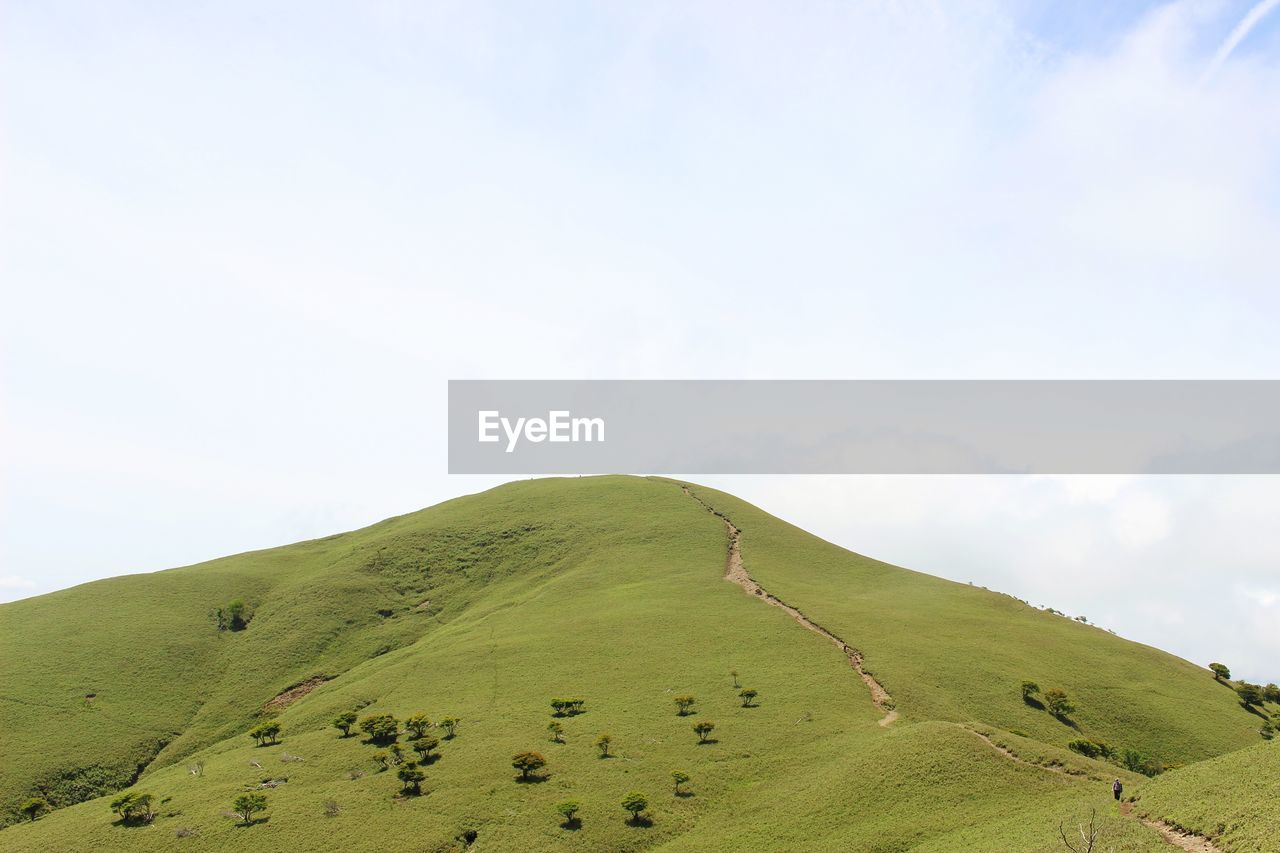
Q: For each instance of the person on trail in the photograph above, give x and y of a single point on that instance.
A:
(1117, 789)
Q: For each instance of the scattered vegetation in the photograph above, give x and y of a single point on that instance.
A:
(635, 803)
(683, 704)
(410, 776)
(234, 616)
(528, 763)
(875, 787)
(1058, 703)
(748, 697)
(1250, 694)
(1091, 748)
(424, 746)
(380, 728)
(134, 807)
(417, 725)
(568, 811)
(703, 729)
(266, 732)
(344, 722)
(603, 743)
(247, 805)
(1220, 671)
(34, 807)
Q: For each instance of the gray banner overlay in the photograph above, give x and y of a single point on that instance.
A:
(864, 427)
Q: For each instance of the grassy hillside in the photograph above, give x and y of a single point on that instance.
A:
(953, 652)
(611, 589)
(1231, 799)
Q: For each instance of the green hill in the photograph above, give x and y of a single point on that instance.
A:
(611, 589)
(1230, 799)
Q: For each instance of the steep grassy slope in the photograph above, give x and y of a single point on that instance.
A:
(607, 588)
(125, 668)
(1233, 799)
(953, 652)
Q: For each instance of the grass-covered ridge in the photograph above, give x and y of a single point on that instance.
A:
(610, 589)
(1230, 799)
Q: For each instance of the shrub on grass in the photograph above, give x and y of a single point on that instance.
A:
(248, 804)
(1271, 693)
(1058, 703)
(424, 745)
(344, 722)
(1091, 748)
(265, 732)
(679, 777)
(417, 724)
(410, 777)
(748, 697)
(123, 805)
(603, 743)
(1220, 671)
(569, 811)
(233, 616)
(704, 729)
(635, 803)
(144, 810)
(683, 704)
(34, 807)
(1029, 691)
(1250, 694)
(557, 731)
(380, 728)
(450, 726)
(527, 763)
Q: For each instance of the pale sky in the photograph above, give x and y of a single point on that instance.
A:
(244, 245)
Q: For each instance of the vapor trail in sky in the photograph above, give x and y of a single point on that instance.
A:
(1242, 29)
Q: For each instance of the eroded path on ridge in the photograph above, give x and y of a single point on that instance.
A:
(736, 573)
(1188, 841)
(1171, 834)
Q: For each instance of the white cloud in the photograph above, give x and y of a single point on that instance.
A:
(14, 587)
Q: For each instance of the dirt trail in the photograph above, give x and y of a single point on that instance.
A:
(1171, 834)
(735, 572)
(1182, 840)
(1012, 756)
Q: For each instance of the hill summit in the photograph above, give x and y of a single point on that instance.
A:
(598, 663)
